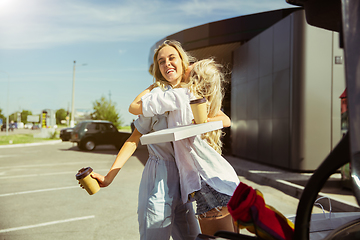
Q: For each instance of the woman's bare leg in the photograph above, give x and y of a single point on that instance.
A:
(216, 220)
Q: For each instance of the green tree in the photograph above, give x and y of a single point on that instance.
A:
(105, 110)
(60, 115)
(24, 115)
(13, 117)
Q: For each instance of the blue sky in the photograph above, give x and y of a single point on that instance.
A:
(40, 39)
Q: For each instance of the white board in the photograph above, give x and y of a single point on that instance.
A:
(33, 118)
(178, 133)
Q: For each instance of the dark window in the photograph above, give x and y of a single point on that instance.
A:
(102, 127)
(111, 128)
(92, 128)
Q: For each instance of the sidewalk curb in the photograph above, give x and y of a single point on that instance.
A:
(48, 142)
(246, 169)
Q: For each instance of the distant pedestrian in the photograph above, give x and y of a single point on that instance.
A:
(132, 125)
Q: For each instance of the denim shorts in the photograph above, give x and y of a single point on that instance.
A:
(208, 198)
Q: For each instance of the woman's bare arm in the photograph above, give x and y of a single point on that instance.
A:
(136, 106)
(124, 154)
(221, 117)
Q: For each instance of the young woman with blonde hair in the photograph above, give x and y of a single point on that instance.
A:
(205, 176)
(161, 211)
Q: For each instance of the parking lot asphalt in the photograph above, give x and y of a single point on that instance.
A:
(288, 182)
(41, 198)
(281, 188)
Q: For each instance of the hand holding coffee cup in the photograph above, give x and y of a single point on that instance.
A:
(90, 184)
(199, 109)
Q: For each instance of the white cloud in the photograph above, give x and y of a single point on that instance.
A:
(121, 51)
(230, 7)
(27, 24)
(36, 24)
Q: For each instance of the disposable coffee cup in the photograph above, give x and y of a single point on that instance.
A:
(199, 110)
(90, 184)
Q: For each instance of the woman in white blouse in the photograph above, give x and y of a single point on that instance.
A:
(205, 176)
(161, 211)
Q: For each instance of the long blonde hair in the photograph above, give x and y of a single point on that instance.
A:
(207, 80)
(160, 81)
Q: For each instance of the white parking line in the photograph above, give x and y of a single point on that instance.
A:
(34, 175)
(45, 224)
(31, 144)
(7, 156)
(43, 174)
(48, 165)
(37, 191)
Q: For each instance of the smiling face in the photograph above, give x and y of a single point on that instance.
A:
(170, 65)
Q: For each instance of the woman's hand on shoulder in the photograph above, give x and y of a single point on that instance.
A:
(221, 117)
(136, 106)
(187, 73)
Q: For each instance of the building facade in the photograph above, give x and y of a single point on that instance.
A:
(286, 79)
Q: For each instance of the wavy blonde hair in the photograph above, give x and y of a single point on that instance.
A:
(207, 80)
(186, 58)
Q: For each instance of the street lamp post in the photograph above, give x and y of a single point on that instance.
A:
(7, 110)
(72, 121)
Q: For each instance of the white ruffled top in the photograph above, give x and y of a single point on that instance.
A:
(194, 157)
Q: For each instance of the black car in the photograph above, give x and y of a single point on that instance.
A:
(65, 134)
(35, 126)
(91, 133)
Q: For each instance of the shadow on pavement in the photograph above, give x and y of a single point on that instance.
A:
(141, 152)
(103, 149)
(331, 186)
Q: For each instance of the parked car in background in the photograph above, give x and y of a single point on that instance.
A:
(36, 126)
(65, 134)
(91, 133)
(28, 125)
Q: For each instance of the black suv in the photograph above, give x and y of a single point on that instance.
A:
(88, 134)
(65, 134)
